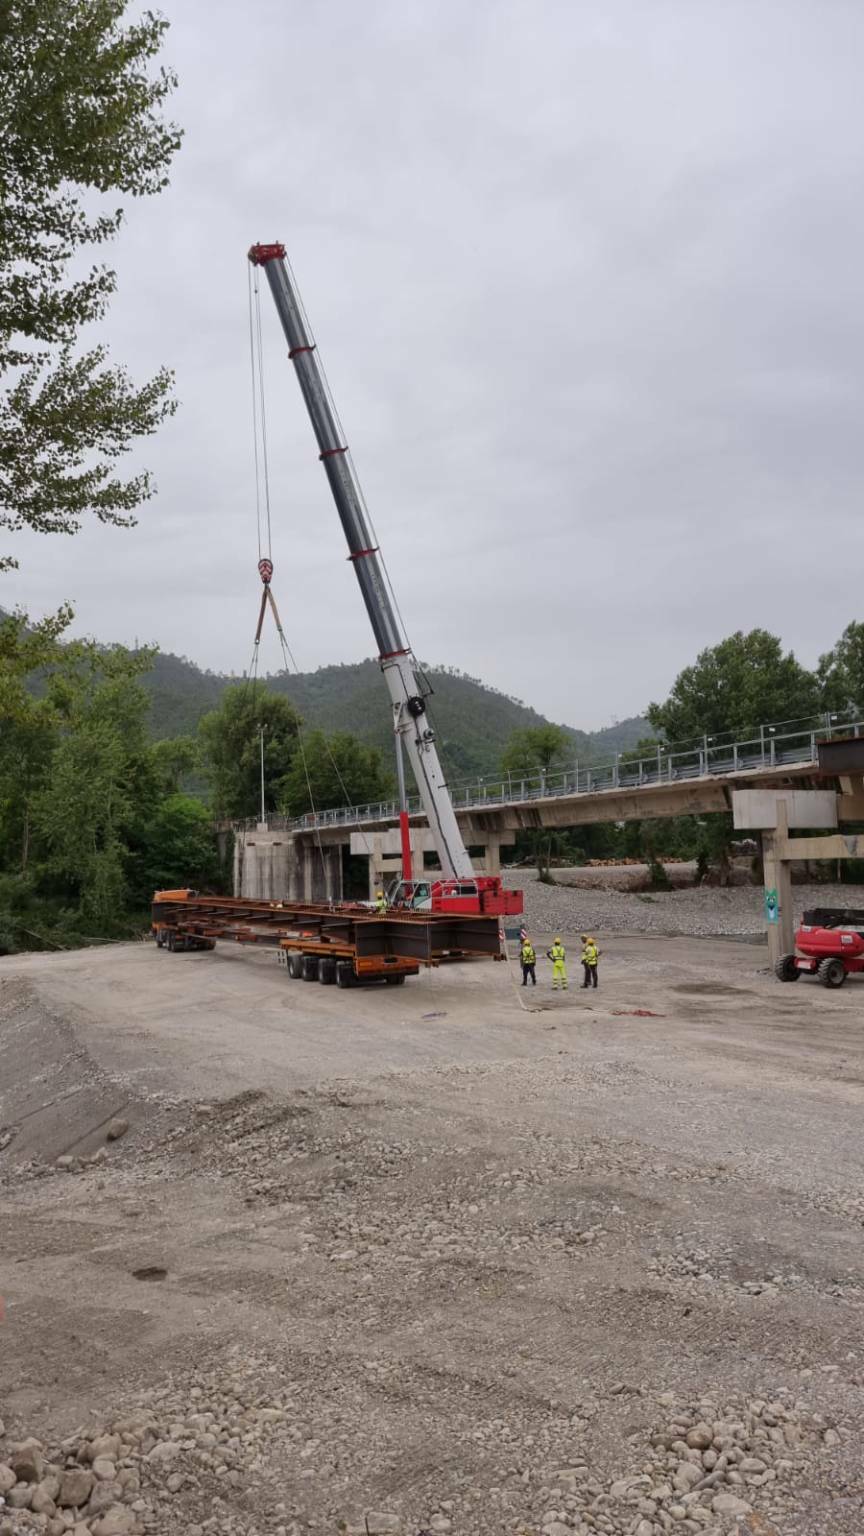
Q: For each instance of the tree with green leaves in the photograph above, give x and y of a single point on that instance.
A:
(230, 744)
(80, 122)
(100, 781)
(533, 750)
(734, 687)
(174, 760)
(29, 722)
(173, 846)
(536, 749)
(841, 672)
(335, 770)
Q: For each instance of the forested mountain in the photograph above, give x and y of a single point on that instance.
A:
(473, 722)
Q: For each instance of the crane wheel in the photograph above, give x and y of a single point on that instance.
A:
(786, 969)
(831, 972)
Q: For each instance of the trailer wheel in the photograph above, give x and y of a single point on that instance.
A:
(395, 981)
(831, 973)
(295, 965)
(169, 940)
(786, 969)
(326, 971)
(344, 973)
(310, 967)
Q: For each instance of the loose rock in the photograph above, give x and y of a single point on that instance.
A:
(76, 1485)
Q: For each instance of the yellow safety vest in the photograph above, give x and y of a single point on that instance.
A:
(558, 952)
(528, 955)
(590, 954)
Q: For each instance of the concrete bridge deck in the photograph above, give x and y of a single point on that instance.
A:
(695, 781)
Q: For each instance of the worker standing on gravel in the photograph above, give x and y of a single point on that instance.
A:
(558, 955)
(590, 956)
(529, 962)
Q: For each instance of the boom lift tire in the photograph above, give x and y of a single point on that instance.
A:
(310, 967)
(831, 972)
(786, 969)
(326, 971)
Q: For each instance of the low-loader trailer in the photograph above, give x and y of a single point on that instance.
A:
(346, 945)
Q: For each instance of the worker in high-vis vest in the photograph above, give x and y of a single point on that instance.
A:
(380, 902)
(589, 957)
(528, 958)
(558, 955)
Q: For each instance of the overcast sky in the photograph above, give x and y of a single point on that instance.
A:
(586, 278)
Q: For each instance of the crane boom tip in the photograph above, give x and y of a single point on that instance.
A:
(259, 255)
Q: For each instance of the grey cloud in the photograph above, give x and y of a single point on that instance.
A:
(586, 282)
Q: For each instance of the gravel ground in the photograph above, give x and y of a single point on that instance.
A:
(279, 1261)
(702, 912)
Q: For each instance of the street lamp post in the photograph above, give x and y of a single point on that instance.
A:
(261, 729)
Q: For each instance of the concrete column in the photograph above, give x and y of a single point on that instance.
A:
(295, 870)
(778, 877)
(492, 858)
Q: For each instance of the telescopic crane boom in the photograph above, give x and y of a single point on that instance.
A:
(410, 720)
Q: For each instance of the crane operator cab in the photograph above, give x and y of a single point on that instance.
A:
(437, 895)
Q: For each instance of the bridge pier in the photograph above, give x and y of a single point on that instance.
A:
(274, 865)
(778, 890)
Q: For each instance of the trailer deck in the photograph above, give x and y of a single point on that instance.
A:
(345, 943)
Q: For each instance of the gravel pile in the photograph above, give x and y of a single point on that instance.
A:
(711, 1464)
(702, 912)
(179, 1457)
(196, 1448)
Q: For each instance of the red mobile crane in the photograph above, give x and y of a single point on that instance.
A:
(458, 888)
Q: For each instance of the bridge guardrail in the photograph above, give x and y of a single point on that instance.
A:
(770, 748)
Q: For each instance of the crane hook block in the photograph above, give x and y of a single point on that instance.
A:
(265, 571)
(416, 706)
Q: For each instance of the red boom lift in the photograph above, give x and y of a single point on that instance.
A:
(829, 945)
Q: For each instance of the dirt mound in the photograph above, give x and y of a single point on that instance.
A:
(54, 1099)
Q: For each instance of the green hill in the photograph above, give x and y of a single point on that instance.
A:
(473, 722)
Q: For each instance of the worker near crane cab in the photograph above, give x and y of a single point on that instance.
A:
(558, 955)
(528, 957)
(380, 902)
(590, 955)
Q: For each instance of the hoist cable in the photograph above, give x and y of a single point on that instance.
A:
(263, 416)
(254, 405)
(288, 655)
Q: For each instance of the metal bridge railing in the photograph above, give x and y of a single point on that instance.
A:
(789, 743)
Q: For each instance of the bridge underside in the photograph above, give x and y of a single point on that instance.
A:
(307, 864)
